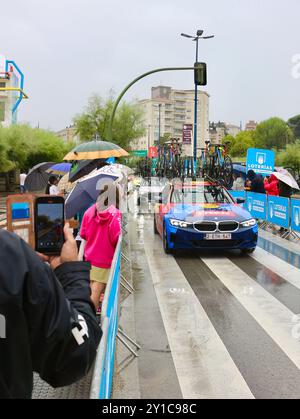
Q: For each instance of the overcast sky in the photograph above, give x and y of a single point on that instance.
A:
(70, 49)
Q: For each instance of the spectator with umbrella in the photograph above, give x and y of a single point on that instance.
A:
(37, 178)
(52, 188)
(101, 228)
(257, 182)
(271, 185)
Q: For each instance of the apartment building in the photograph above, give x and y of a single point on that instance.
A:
(217, 131)
(69, 134)
(251, 126)
(166, 113)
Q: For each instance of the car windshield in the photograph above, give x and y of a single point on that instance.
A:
(206, 194)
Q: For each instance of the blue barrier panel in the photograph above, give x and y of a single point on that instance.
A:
(279, 211)
(256, 204)
(113, 316)
(295, 214)
(101, 385)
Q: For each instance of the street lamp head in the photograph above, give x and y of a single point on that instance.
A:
(186, 36)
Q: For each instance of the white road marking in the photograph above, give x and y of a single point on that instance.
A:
(288, 272)
(270, 314)
(204, 367)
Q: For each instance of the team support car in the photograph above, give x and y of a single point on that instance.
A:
(203, 215)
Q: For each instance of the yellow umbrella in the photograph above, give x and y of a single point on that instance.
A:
(95, 150)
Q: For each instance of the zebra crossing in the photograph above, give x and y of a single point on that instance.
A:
(232, 322)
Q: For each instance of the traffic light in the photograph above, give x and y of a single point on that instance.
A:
(200, 74)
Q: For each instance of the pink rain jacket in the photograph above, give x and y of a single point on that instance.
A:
(101, 230)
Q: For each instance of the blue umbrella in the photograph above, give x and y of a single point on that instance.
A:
(60, 169)
(238, 168)
(86, 192)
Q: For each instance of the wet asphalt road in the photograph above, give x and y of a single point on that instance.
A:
(216, 325)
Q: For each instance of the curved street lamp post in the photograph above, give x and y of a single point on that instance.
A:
(196, 39)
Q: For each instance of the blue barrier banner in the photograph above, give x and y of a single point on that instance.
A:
(256, 204)
(279, 211)
(261, 161)
(295, 214)
(110, 324)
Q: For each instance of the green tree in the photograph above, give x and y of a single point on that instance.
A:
(22, 147)
(5, 164)
(230, 139)
(241, 143)
(165, 138)
(294, 124)
(290, 157)
(273, 133)
(95, 120)
(46, 147)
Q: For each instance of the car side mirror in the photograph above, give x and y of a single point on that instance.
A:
(240, 200)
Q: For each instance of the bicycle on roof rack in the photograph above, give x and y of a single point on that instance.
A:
(214, 162)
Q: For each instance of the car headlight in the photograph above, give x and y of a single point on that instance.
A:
(248, 223)
(181, 224)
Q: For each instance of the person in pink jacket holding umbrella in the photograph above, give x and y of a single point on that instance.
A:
(101, 228)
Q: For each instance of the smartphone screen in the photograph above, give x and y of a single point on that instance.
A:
(49, 225)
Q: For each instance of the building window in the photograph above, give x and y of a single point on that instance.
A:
(2, 111)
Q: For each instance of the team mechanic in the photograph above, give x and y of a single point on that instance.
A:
(47, 320)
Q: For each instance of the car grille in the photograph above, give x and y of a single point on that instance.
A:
(212, 226)
(206, 226)
(228, 226)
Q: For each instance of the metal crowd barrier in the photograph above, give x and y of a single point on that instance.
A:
(273, 210)
(101, 386)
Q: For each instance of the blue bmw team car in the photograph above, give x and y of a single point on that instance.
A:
(203, 215)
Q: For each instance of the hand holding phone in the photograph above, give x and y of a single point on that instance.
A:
(69, 252)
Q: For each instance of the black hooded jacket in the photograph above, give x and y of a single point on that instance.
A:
(47, 321)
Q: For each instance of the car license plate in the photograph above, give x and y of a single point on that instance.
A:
(218, 236)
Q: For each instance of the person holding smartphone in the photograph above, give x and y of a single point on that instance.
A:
(48, 323)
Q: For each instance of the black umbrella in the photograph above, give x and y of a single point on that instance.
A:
(37, 178)
(84, 168)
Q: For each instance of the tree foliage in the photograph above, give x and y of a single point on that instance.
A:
(22, 147)
(273, 133)
(290, 157)
(294, 124)
(241, 143)
(96, 117)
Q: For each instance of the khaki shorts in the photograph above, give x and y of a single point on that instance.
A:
(99, 275)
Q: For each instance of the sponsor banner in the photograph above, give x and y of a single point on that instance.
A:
(153, 152)
(261, 161)
(295, 214)
(139, 153)
(279, 211)
(187, 134)
(256, 204)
